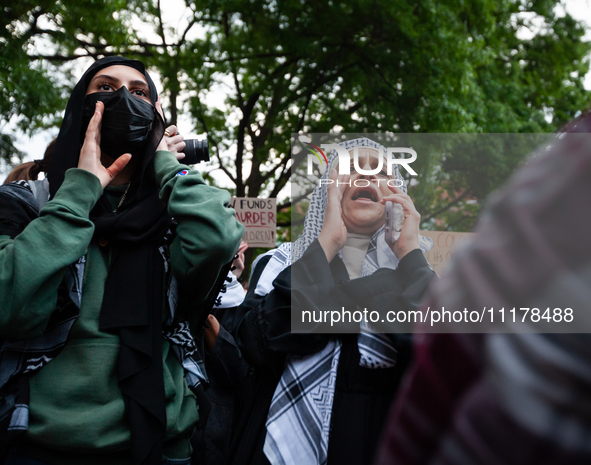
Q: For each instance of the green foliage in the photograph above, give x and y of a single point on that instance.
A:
(292, 66)
(362, 66)
(8, 152)
(32, 89)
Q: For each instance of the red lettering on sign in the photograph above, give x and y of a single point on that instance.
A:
(447, 240)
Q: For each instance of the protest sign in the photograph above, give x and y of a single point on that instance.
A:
(259, 217)
(444, 244)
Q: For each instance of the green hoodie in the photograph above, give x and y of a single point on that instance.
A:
(77, 412)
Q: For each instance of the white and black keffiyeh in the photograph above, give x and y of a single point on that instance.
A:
(298, 423)
(232, 293)
(185, 349)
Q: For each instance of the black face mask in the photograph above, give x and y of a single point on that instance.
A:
(126, 123)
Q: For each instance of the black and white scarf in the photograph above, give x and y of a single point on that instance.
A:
(298, 423)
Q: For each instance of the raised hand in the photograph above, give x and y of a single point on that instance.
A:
(239, 262)
(212, 330)
(90, 154)
(334, 232)
(409, 235)
(175, 142)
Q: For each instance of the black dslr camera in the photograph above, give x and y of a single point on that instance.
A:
(195, 151)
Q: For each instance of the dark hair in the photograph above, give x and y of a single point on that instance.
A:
(30, 171)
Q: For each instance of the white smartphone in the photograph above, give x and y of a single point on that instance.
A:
(394, 222)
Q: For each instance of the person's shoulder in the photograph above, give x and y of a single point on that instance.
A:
(263, 259)
(19, 192)
(16, 186)
(18, 207)
(259, 264)
(32, 193)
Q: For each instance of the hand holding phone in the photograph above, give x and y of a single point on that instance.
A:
(394, 222)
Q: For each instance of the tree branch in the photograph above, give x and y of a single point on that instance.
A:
(299, 198)
(250, 57)
(280, 182)
(300, 125)
(286, 224)
(270, 173)
(95, 55)
(184, 36)
(161, 24)
(223, 168)
(447, 207)
(465, 217)
(215, 144)
(149, 44)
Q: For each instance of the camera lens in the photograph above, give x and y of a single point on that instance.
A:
(195, 151)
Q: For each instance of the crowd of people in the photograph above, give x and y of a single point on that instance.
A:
(127, 338)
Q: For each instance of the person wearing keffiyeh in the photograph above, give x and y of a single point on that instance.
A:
(321, 398)
(104, 268)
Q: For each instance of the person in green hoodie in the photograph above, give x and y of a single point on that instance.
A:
(104, 270)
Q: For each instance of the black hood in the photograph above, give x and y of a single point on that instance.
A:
(70, 138)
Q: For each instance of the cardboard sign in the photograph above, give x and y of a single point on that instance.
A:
(444, 244)
(259, 217)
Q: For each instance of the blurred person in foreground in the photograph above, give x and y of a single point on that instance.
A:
(510, 398)
(317, 398)
(100, 287)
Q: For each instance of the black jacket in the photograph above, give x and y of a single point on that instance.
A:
(362, 395)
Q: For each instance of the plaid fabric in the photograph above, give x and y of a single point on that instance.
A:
(232, 293)
(186, 351)
(302, 406)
